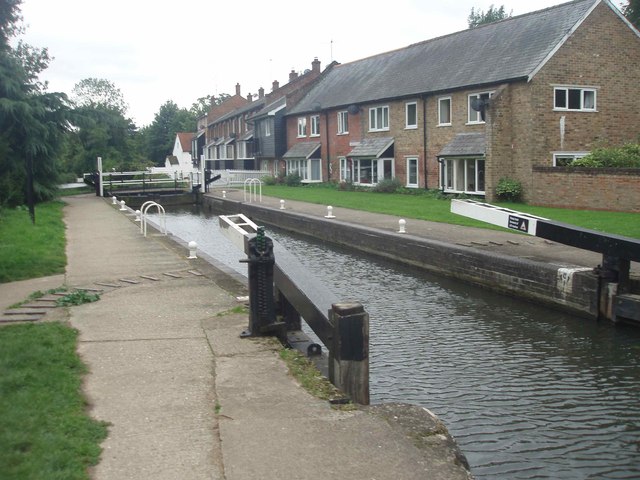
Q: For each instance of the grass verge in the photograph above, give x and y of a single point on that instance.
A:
(28, 250)
(311, 379)
(44, 429)
(433, 207)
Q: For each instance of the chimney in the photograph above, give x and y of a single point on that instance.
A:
(238, 89)
(293, 75)
(261, 93)
(315, 65)
(275, 86)
(249, 97)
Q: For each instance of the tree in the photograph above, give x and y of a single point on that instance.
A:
(477, 18)
(632, 12)
(100, 93)
(101, 129)
(32, 120)
(158, 137)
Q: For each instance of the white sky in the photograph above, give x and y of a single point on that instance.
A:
(156, 51)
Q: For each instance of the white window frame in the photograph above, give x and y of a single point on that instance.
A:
(440, 111)
(315, 126)
(451, 179)
(346, 170)
(379, 119)
(343, 122)
(302, 127)
(309, 169)
(376, 167)
(477, 119)
(408, 125)
(413, 161)
(584, 92)
(567, 155)
(267, 127)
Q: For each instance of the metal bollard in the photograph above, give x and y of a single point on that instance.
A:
(193, 246)
(329, 212)
(114, 201)
(122, 206)
(260, 260)
(281, 204)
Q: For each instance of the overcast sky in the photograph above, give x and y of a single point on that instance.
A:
(156, 51)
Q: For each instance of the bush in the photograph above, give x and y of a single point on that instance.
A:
(293, 180)
(626, 156)
(509, 190)
(269, 180)
(388, 185)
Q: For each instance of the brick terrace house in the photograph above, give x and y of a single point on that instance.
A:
(247, 134)
(519, 98)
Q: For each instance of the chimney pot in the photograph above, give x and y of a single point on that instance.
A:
(293, 75)
(315, 65)
(238, 89)
(261, 92)
(275, 86)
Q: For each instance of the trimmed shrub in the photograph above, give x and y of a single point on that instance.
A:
(388, 185)
(626, 156)
(509, 190)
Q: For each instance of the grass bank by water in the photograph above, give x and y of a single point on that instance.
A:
(431, 207)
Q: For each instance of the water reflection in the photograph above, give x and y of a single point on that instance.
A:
(527, 392)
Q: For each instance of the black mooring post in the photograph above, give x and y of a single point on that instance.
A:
(260, 259)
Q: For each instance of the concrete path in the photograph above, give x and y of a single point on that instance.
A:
(187, 398)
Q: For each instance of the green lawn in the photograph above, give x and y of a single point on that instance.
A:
(44, 430)
(432, 207)
(28, 250)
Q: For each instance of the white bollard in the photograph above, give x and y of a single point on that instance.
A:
(122, 208)
(281, 204)
(329, 212)
(402, 223)
(137, 216)
(114, 200)
(193, 246)
(224, 194)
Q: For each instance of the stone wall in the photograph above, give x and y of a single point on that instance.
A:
(575, 292)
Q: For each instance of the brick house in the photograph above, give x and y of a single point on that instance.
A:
(247, 133)
(519, 98)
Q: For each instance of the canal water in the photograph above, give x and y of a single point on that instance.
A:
(528, 393)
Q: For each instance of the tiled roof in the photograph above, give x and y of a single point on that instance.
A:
(302, 150)
(371, 147)
(465, 144)
(273, 106)
(185, 140)
(507, 50)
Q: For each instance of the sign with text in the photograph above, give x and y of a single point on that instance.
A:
(518, 223)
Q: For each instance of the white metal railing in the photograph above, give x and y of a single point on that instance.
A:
(143, 179)
(237, 177)
(252, 186)
(143, 216)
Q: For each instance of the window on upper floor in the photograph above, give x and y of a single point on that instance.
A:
(564, 159)
(267, 127)
(378, 119)
(474, 106)
(315, 126)
(574, 98)
(343, 122)
(444, 111)
(302, 126)
(411, 115)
